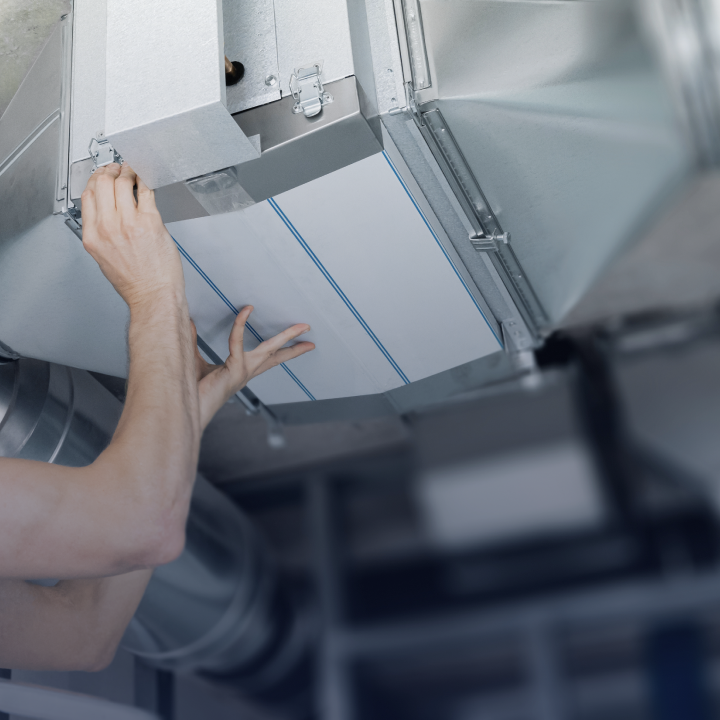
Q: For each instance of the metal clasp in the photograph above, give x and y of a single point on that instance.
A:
(307, 89)
(102, 152)
(489, 243)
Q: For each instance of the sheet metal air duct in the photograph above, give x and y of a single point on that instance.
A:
(218, 609)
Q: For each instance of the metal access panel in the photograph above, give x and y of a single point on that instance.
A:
(354, 255)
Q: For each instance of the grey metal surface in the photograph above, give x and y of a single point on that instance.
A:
(309, 32)
(249, 32)
(54, 414)
(474, 379)
(165, 90)
(416, 48)
(295, 149)
(376, 55)
(28, 183)
(672, 265)
(688, 44)
(57, 305)
(88, 75)
(36, 100)
(439, 195)
(571, 135)
(25, 26)
(548, 133)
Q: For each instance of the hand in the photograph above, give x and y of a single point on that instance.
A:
(217, 383)
(128, 239)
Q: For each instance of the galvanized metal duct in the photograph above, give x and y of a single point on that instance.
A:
(218, 609)
(53, 413)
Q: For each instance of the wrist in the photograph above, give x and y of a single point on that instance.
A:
(155, 300)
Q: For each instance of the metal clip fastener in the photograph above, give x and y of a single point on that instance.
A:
(102, 152)
(306, 87)
(72, 220)
(489, 243)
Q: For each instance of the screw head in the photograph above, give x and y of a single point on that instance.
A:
(271, 80)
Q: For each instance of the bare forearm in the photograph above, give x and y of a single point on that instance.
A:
(127, 510)
(153, 454)
(75, 625)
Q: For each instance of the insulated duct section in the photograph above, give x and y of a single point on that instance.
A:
(217, 610)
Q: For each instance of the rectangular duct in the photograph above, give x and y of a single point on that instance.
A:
(165, 103)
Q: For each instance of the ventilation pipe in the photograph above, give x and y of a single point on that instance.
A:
(217, 610)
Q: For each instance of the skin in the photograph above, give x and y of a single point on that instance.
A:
(104, 527)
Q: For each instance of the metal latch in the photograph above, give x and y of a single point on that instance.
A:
(306, 87)
(102, 152)
(489, 243)
(72, 220)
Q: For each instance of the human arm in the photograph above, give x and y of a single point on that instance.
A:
(126, 510)
(75, 625)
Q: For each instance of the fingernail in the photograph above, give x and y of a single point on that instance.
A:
(308, 330)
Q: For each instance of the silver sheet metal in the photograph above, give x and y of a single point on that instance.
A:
(36, 100)
(165, 90)
(88, 75)
(385, 55)
(295, 149)
(313, 31)
(249, 32)
(571, 136)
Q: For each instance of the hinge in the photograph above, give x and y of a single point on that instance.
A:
(102, 152)
(307, 89)
(489, 243)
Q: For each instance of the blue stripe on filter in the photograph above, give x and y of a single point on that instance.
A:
(440, 245)
(338, 290)
(252, 330)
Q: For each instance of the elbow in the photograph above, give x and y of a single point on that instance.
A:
(159, 533)
(100, 659)
(168, 549)
(163, 546)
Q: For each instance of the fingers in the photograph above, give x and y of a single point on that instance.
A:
(275, 343)
(145, 197)
(238, 330)
(284, 355)
(89, 208)
(124, 196)
(105, 189)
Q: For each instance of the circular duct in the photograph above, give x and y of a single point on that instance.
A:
(218, 609)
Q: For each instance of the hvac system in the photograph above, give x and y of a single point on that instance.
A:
(432, 186)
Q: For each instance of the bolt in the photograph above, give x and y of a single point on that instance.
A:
(271, 80)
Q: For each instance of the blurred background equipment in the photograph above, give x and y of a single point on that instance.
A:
(497, 491)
